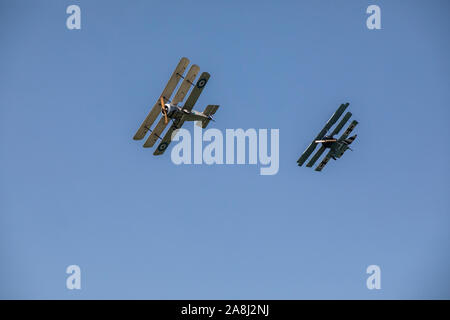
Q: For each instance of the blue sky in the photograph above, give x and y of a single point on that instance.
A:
(76, 189)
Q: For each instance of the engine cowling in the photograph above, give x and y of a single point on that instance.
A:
(169, 109)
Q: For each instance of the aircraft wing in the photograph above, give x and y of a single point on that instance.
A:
(186, 84)
(307, 153)
(316, 156)
(156, 133)
(167, 138)
(322, 133)
(348, 130)
(195, 93)
(341, 124)
(167, 92)
(324, 162)
(179, 96)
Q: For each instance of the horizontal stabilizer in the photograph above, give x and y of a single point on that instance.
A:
(209, 111)
(350, 140)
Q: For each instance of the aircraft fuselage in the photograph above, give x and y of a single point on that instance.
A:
(175, 112)
(337, 147)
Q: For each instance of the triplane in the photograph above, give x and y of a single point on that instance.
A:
(170, 109)
(337, 146)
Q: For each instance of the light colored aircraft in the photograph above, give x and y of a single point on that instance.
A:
(171, 110)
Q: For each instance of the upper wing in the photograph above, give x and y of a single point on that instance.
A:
(186, 84)
(210, 109)
(167, 92)
(349, 130)
(167, 138)
(324, 162)
(179, 96)
(322, 133)
(195, 93)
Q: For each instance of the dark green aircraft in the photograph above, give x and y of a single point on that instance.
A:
(337, 146)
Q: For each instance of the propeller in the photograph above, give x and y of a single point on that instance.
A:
(325, 140)
(164, 111)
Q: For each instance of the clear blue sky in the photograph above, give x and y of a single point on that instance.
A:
(76, 189)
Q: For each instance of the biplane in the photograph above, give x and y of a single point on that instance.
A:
(337, 146)
(170, 109)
